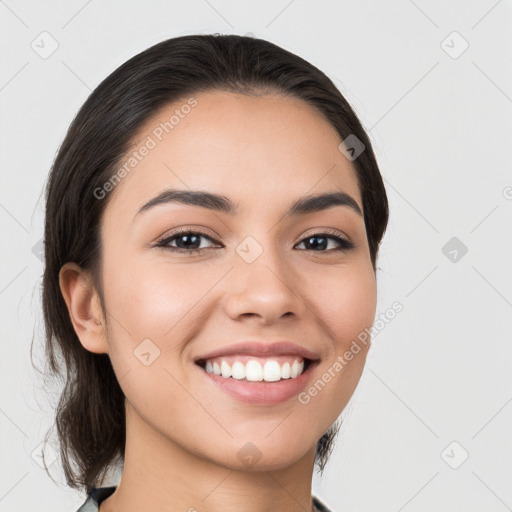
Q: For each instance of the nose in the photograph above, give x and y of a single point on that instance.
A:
(265, 289)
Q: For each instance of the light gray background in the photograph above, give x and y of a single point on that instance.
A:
(440, 372)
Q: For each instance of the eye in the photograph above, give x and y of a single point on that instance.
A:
(187, 241)
(324, 238)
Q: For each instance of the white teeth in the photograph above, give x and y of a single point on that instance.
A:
(253, 371)
(272, 371)
(225, 369)
(296, 369)
(285, 371)
(238, 370)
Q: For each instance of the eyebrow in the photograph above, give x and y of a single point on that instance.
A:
(302, 206)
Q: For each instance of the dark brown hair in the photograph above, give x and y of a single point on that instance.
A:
(90, 416)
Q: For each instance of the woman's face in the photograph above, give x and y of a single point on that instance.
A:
(261, 275)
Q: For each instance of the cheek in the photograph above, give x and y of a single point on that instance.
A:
(356, 303)
(345, 302)
(149, 307)
(158, 301)
(346, 309)
(149, 300)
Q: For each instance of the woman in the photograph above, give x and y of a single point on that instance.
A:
(213, 219)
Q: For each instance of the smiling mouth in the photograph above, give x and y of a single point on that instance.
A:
(256, 369)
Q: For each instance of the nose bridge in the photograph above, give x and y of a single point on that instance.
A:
(260, 257)
(262, 281)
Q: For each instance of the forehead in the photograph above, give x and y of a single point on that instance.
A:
(254, 149)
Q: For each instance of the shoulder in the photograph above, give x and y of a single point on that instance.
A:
(94, 497)
(319, 505)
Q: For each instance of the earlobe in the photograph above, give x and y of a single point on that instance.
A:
(84, 307)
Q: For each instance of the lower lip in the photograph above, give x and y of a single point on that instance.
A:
(261, 392)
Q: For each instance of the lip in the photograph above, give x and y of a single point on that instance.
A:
(261, 392)
(259, 349)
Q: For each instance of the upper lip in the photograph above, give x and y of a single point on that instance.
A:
(261, 349)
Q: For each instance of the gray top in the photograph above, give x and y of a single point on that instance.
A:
(98, 494)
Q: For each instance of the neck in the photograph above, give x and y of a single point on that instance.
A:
(160, 475)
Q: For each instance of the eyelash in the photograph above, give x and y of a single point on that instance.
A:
(344, 244)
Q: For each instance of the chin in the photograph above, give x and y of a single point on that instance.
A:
(264, 456)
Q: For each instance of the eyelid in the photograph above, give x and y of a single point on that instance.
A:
(325, 231)
(200, 230)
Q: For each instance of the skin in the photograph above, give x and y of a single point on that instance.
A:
(183, 433)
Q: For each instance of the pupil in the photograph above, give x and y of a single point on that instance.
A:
(188, 241)
(316, 245)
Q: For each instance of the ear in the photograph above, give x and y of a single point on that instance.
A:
(84, 307)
